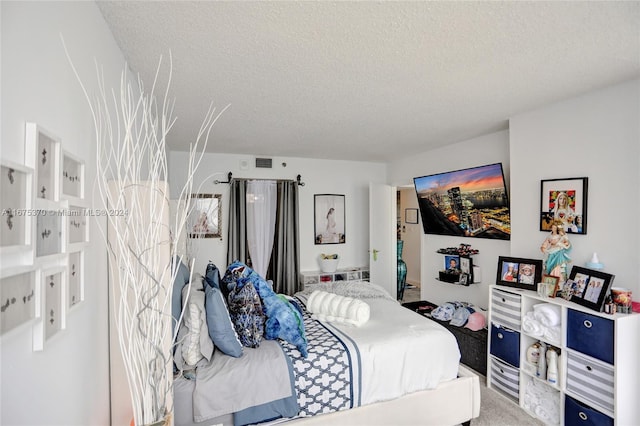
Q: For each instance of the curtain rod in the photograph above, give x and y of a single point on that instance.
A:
(230, 175)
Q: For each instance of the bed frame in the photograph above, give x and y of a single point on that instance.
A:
(451, 403)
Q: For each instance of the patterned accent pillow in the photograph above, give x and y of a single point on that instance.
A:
(246, 314)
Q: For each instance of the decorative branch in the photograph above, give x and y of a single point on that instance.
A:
(131, 129)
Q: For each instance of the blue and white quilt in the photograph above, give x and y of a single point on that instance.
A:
(328, 379)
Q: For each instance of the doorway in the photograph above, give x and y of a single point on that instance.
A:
(410, 232)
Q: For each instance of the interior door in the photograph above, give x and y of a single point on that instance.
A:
(382, 237)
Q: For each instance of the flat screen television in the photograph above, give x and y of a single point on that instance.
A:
(470, 202)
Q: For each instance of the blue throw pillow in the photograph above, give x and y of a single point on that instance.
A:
(219, 323)
(212, 276)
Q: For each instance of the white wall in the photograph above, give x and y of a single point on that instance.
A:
(350, 178)
(492, 148)
(596, 135)
(68, 382)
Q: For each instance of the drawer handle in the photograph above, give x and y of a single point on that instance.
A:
(588, 367)
(504, 300)
(500, 336)
(588, 324)
(502, 371)
(582, 415)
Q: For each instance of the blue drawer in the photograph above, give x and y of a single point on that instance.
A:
(505, 344)
(576, 413)
(590, 335)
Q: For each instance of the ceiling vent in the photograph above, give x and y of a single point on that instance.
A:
(264, 163)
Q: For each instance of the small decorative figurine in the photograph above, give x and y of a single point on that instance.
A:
(557, 247)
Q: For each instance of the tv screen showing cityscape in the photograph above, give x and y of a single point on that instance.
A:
(471, 202)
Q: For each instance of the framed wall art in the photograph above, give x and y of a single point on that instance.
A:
(50, 238)
(329, 219)
(588, 287)
(75, 281)
(72, 175)
(519, 273)
(16, 187)
(411, 216)
(42, 154)
(204, 220)
(19, 299)
(52, 283)
(564, 201)
(77, 227)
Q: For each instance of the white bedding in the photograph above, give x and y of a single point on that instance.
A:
(400, 351)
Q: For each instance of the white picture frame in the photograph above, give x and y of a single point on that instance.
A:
(75, 278)
(42, 154)
(19, 298)
(50, 229)
(77, 224)
(16, 187)
(52, 283)
(72, 176)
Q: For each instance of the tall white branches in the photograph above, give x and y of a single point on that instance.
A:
(131, 128)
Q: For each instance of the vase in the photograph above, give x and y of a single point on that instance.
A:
(402, 271)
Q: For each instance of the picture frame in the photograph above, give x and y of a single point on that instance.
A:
(466, 267)
(75, 278)
(589, 287)
(51, 229)
(72, 176)
(16, 186)
(77, 227)
(329, 219)
(52, 319)
(204, 219)
(552, 284)
(19, 298)
(42, 154)
(411, 216)
(519, 272)
(452, 263)
(564, 201)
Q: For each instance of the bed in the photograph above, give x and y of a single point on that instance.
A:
(395, 368)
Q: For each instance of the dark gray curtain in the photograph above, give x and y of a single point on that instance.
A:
(285, 260)
(237, 236)
(284, 267)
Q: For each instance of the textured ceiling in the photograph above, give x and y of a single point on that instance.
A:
(370, 81)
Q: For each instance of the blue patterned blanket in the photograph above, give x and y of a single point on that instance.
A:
(328, 379)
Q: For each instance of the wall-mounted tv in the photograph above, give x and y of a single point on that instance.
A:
(465, 203)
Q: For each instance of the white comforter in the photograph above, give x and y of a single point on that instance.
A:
(400, 351)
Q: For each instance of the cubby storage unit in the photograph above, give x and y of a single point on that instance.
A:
(598, 380)
(345, 274)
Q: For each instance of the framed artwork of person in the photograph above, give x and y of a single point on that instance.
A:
(329, 219)
(564, 201)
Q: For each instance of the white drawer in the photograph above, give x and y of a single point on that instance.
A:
(591, 379)
(505, 309)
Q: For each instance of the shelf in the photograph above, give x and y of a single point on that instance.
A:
(597, 353)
